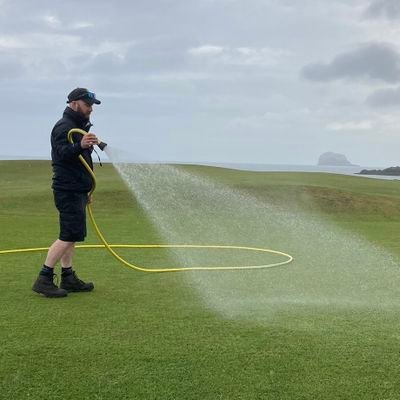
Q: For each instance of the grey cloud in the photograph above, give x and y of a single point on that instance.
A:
(104, 63)
(10, 67)
(204, 20)
(385, 98)
(166, 53)
(383, 8)
(377, 61)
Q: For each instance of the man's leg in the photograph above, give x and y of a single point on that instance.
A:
(60, 251)
(66, 259)
(69, 280)
(72, 209)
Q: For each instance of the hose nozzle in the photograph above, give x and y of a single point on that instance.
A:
(101, 145)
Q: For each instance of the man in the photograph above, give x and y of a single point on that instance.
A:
(71, 184)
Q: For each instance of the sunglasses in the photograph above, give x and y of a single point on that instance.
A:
(87, 95)
(91, 95)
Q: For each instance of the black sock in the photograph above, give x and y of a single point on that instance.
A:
(66, 271)
(47, 271)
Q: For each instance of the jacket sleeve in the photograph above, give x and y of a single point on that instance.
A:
(61, 145)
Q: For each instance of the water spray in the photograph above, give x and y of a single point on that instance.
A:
(110, 247)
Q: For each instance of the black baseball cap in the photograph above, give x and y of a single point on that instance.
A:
(83, 94)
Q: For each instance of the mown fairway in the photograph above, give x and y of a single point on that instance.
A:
(158, 336)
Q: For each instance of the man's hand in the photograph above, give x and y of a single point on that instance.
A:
(90, 139)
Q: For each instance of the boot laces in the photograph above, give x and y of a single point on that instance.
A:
(54, 280)
(77, 279)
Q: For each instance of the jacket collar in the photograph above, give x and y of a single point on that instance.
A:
(77, 118)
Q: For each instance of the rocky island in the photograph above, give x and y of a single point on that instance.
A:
(334, 159)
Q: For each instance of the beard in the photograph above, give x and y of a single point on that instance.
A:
(83, 112)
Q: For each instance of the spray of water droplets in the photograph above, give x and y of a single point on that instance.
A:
(333, 268)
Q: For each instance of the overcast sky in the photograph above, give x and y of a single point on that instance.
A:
(254, 81)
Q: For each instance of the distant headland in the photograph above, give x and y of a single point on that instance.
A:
(391, 171)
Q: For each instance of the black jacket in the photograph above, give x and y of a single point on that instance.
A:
(68, 172)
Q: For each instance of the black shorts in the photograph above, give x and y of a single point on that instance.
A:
(72, 210)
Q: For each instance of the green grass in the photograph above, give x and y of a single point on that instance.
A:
(152, 336)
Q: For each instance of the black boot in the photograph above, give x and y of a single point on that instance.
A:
(44, 284)
(72, 283)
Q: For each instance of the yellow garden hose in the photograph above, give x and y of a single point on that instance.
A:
(110, 247)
